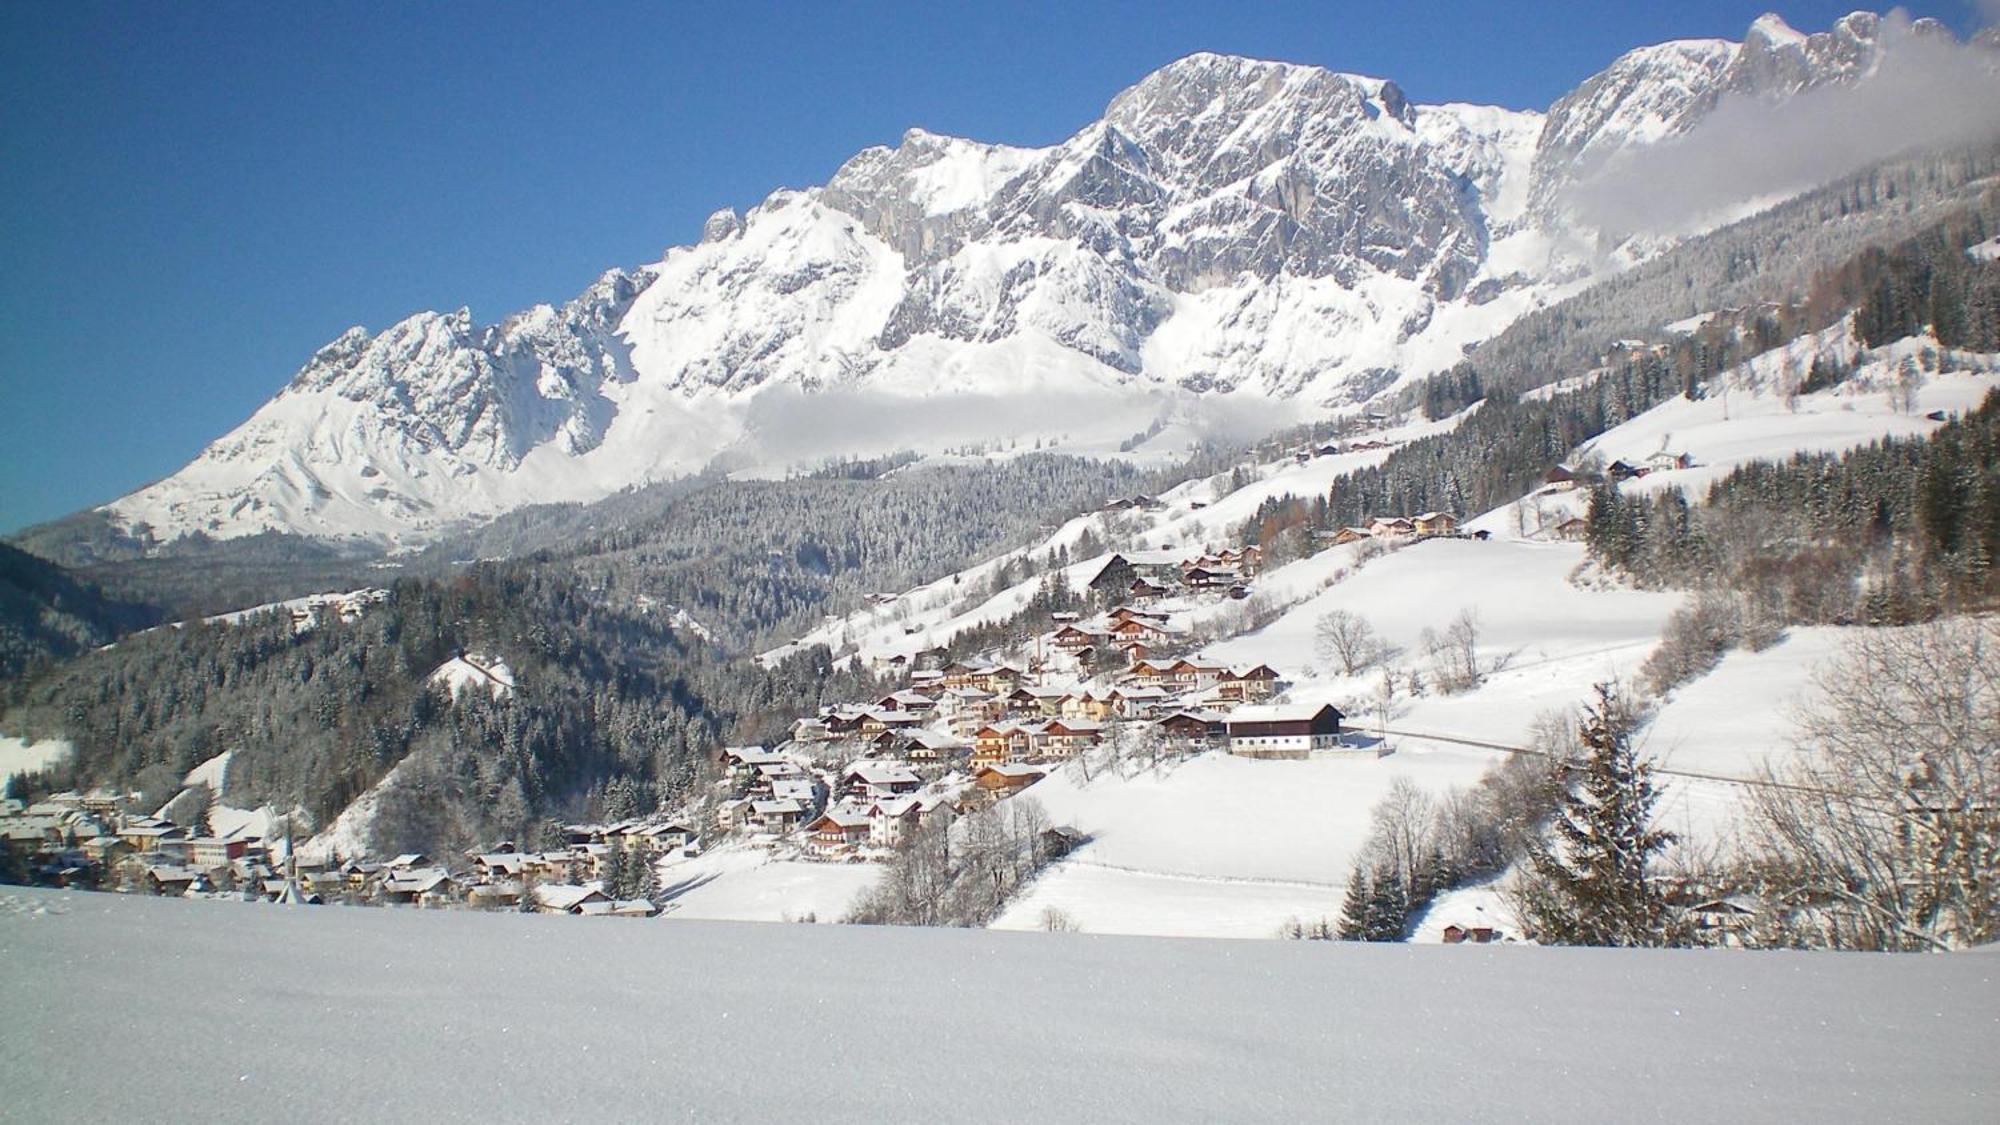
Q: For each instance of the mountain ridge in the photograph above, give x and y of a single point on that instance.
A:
(1274, 234)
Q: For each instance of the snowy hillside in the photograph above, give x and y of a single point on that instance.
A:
(18, 756)
(1227, 847)
(293, 1003)
(1277, 237)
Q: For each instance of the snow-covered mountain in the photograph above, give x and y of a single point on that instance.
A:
(1232, 230)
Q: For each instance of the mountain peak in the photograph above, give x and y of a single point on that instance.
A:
(1771, 29)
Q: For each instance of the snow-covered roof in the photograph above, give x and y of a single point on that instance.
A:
(880, 773)
(566, 896)
(1277, 712)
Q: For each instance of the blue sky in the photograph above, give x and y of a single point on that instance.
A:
(195, 197)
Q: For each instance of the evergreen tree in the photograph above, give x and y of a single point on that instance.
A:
(1388, 910)
(1354, 909)
(1592, 885)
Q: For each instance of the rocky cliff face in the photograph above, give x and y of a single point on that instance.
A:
(1279, 233)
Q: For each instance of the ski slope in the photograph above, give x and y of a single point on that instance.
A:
(333, 1014)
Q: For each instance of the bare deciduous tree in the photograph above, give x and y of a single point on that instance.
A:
(1454, 654)
(1886, 833)
(1346, 639)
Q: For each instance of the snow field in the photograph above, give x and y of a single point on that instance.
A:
(328, 1014)
(744, 883)
(19, 756)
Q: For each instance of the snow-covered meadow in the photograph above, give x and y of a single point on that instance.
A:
(136, 1008)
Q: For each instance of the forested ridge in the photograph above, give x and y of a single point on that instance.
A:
(612, 704)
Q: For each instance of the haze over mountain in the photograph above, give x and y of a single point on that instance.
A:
(1234, 243)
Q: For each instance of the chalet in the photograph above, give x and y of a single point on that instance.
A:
(1291, 731)
(875, 780)
(672, 835)
(1575, 529)
(1046, 701)
(1141, 630)
(953, 702)
(1186, 675)
(504, 894)
(1456, 934)
(804, 790)
(730, 814)
(145, 834)
(1211, 578)
(748, 757)
(1064, 617)
(1088, 705)
(170, 878)
(1664, 461)
(1724, 921)
(494, 867)
(567, 898)
(775, 815)
(893, 820)
(930, 747)
(1006, 779)
(1351, 535)
(1619, 470)
(1134, 701)
(1073, 639)
(912, 701)
(1063, 738)
(875, 722)
(1436, 523)
(1254, 686)
(1145, 673)
(810, 728)
(1116, 576)
(998, 742)
(838, 829)
(990, 710)
(208, 852)
(1192, 728)
(1391, 527)
(416, 886)
(963, 673)
(1142, 590)
(1560, 479)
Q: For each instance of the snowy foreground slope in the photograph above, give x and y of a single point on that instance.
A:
(303, 1014)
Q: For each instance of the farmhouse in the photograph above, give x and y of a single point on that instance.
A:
(1283, 731)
